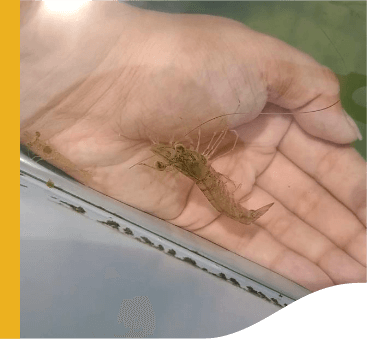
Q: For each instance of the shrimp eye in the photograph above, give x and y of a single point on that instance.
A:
(179, 148)
(160, 166)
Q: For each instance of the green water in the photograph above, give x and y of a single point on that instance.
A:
(333, 33)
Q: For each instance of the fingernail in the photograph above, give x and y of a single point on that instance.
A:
(353, 125)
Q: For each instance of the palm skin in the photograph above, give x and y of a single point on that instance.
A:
(171, 73)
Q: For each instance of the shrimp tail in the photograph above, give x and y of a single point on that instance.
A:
(256, 214)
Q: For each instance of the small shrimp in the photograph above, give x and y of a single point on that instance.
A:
(46, 152)
(195, 165)
(50, 183)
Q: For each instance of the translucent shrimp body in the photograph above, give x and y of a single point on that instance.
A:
(195, 166)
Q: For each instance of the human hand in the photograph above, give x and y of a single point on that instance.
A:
(157, 76)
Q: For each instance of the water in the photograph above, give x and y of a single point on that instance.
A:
(333, 33)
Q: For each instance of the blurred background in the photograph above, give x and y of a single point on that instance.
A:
(333, 33)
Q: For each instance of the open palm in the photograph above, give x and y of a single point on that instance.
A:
(146, 86)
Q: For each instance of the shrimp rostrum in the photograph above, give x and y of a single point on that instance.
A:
(195, 165)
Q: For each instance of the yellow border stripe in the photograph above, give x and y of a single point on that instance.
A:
(9, 249)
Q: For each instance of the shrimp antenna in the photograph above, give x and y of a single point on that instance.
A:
(238, 113)
(141, 161)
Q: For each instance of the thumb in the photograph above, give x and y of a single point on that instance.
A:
(310, 91)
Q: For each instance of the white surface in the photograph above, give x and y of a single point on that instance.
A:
(75, 273)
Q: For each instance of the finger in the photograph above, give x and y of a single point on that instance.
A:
(306, 241)
(295, 254)
(297, 82)
(303, 196)
(341, 170)
(258, 245)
